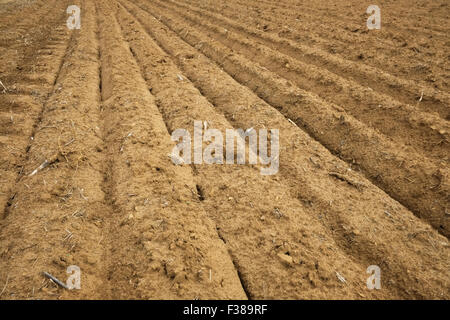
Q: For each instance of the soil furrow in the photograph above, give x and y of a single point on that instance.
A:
(406, 91)
(20, 43)
(256, 218)
(404, 124)
(357, 214)
(340, 21)
(386, 165)
(22, 112)
(56, 215)
(205, 150)
(358, 44)
(342, 12)
(161, 243)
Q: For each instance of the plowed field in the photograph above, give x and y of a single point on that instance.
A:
(87, 177)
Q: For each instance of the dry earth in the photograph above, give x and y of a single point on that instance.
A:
(364, 129)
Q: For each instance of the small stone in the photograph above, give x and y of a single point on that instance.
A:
(286, 259)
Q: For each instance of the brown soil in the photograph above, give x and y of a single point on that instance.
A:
(364, 158)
